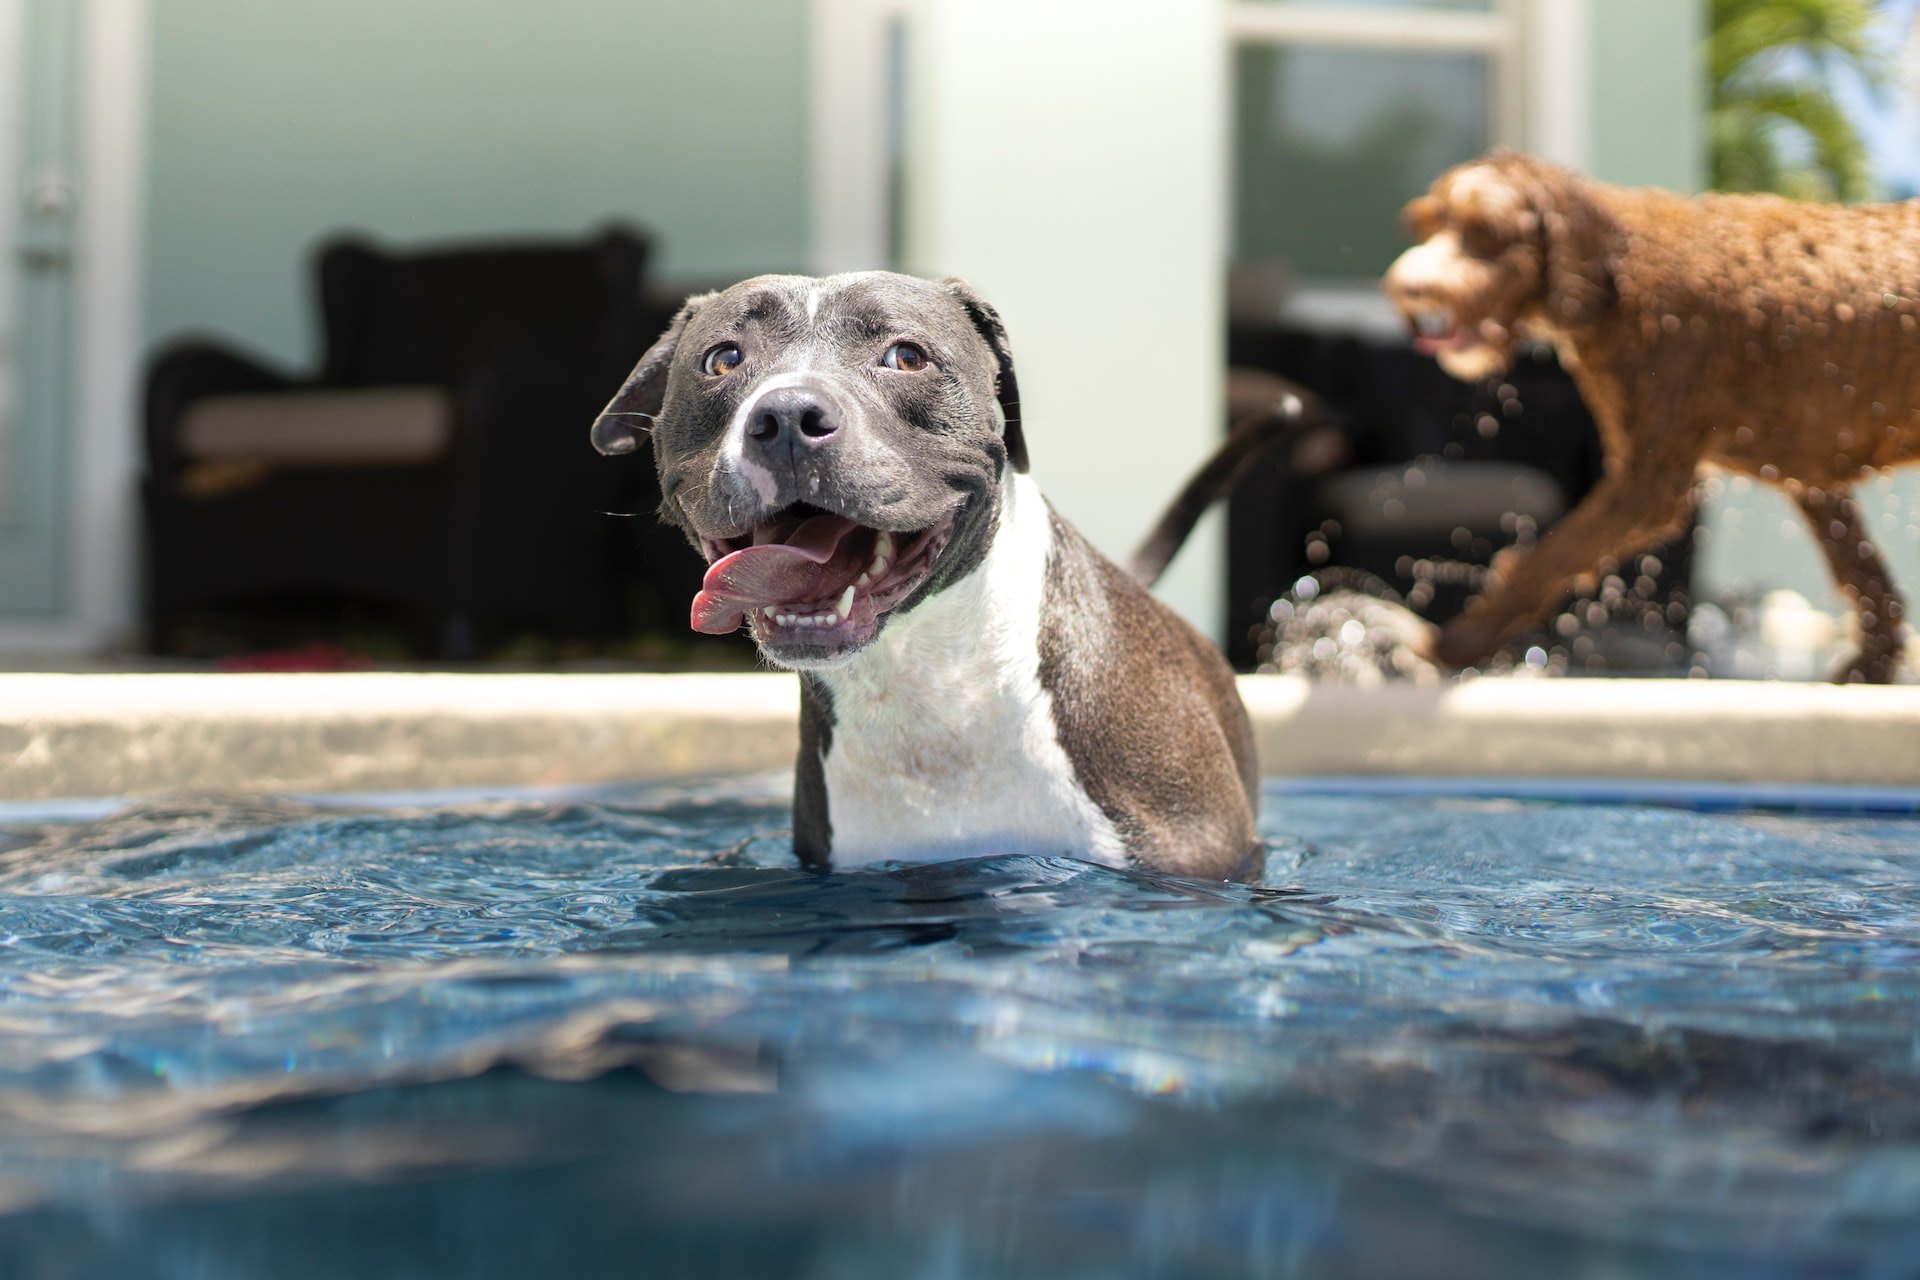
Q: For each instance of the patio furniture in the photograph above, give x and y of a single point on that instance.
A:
(434, 472)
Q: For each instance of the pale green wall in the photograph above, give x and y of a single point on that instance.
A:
(277, 121)
(1649, 93)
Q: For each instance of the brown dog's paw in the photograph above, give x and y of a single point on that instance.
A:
(1869, 666)
(1464, 642)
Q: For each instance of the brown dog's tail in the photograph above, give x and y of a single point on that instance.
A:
(1293, 417)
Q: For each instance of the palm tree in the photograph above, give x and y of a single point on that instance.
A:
(1774, 124)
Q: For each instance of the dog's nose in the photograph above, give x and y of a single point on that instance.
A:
(1418, 273)
(792, 417)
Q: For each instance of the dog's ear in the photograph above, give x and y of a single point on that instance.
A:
(986, 321)
(1423, 215)
(623, 426)
(1489, 206)
(1577, 243)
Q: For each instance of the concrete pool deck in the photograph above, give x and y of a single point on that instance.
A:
(110, 735)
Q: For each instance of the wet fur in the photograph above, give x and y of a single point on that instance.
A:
(1149, 714)
(1028, 697)
(1768, 337)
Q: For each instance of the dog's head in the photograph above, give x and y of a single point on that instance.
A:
(1499, 242)
(834, 447)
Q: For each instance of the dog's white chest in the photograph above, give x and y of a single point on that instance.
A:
(944, 743)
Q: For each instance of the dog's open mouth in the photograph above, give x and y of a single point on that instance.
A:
(813, 579)
(1436, 330)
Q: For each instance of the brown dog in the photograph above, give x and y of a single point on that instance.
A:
(1760, 335)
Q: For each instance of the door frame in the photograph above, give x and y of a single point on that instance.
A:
(103, 470)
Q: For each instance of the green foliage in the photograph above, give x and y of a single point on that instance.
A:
(1774, 124)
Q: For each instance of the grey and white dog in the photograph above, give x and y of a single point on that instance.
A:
(975, 678)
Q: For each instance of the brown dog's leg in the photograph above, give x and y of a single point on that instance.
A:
(1622, 515)
(1862, 575)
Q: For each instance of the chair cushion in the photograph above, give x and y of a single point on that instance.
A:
(1435, 497)
(378, 427)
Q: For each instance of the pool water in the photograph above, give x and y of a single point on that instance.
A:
(619, 1033)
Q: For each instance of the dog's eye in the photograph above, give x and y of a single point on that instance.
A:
(906, 357)
(722, 360)
(1486, 237)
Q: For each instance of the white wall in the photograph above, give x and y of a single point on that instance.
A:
(1068, 158)
(276, 123)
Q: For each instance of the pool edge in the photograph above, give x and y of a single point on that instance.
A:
(80, 735)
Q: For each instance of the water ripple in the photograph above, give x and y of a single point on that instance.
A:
(1595, 1040)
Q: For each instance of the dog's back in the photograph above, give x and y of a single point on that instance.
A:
(1785, 332)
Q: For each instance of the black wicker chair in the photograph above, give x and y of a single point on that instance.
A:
(435, 471)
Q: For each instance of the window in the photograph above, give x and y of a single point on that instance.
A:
(1344, 110)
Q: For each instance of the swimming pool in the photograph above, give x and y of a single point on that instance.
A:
(616, 1032)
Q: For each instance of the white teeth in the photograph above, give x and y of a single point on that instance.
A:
(828, 619)
(882, 557)
(831, 618)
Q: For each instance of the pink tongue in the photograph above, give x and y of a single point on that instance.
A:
(790, 571)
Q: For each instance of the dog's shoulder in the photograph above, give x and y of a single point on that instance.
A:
(1148, 712)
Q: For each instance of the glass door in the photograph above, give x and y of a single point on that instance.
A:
(1344, 109)
(38, 74)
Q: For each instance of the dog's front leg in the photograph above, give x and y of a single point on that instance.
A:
(1623, 514)
(1862, 575)
(812, 819)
